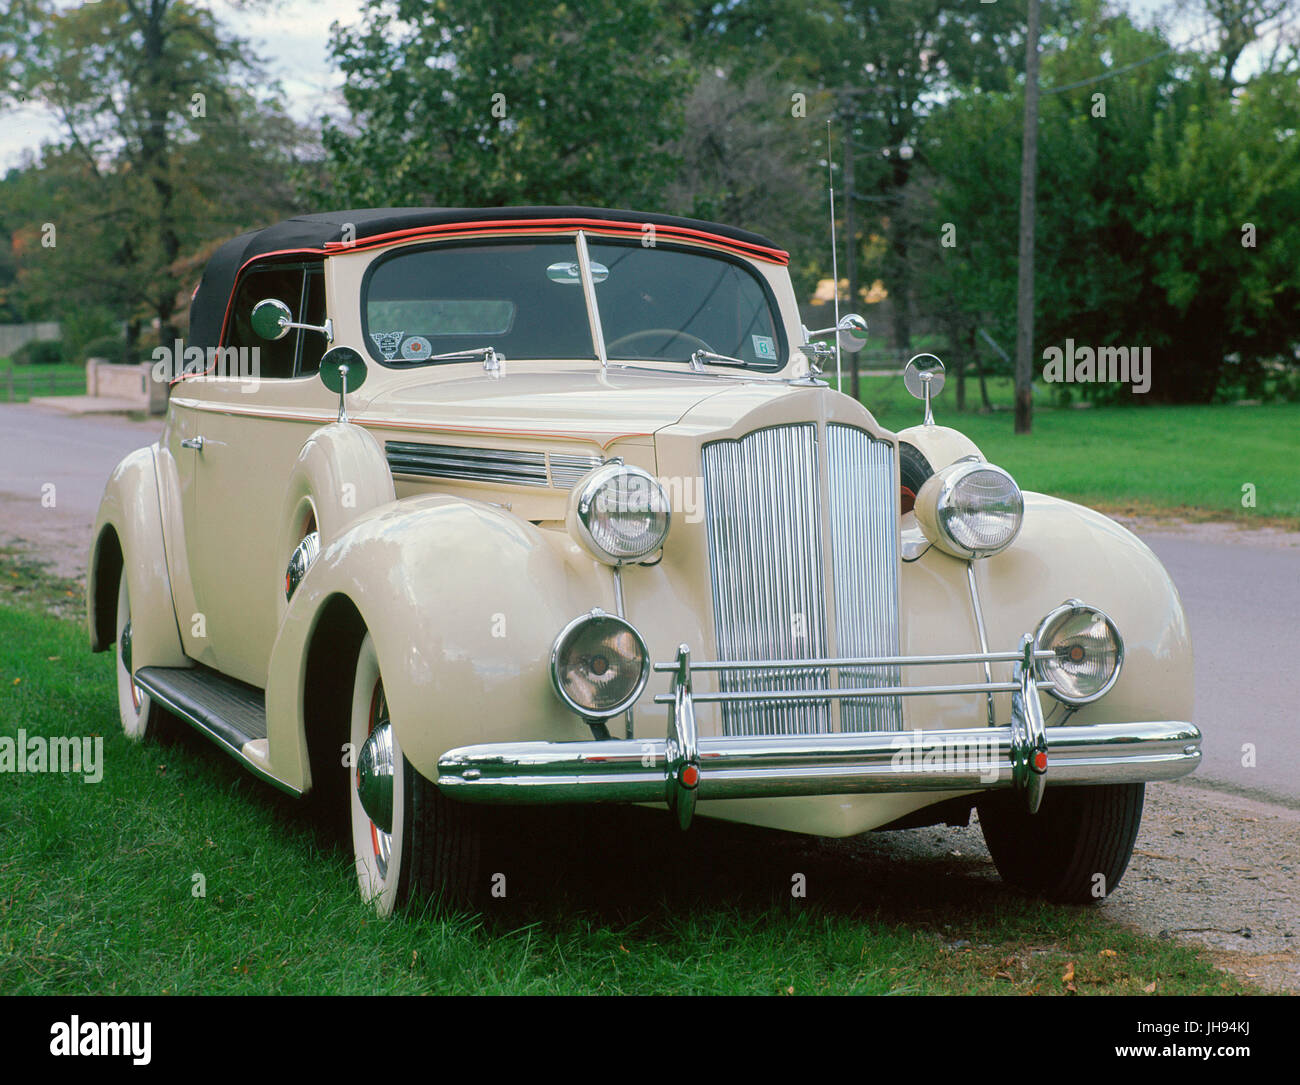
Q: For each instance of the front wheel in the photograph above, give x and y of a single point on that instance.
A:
(428, 846)
(1074, 850)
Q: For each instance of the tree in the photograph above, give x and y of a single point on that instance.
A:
(1149, 173)
(167, 145)
(507, 102)
(890, 65)
(749, 156)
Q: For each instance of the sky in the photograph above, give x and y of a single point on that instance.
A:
(293, 37)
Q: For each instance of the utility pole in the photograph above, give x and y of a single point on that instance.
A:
(1025, 286)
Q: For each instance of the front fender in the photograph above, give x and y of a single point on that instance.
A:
(129, 528)
(463, 601)
(1064, 550)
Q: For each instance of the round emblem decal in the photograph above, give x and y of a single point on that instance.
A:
(415, 348)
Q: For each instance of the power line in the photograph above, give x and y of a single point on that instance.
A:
(1259, 31)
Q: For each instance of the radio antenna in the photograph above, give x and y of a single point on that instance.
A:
(835, 267)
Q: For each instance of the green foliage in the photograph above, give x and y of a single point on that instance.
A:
(1146, 183)
(39, 352)
(473, 104)
(169, 142)
(109, 347)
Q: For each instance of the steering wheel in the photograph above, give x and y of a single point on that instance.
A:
(671, 333)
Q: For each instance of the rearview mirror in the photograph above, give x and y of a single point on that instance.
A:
(851, 332)
(342, 370)
(271, 319)
(923, 377)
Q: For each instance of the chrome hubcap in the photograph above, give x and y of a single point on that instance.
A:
(375, 776)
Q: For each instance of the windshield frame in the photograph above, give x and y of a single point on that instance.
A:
(571, 236)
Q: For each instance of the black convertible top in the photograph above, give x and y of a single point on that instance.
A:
(341, 231)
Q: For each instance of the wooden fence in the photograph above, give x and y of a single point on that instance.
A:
(20, 385)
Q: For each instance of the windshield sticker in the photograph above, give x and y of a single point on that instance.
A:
(765, 347)
(387, 343)
(415, 348)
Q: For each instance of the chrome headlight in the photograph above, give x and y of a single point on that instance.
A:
(970, 509)
(1087, 651)
(599, 665)
(619, 513)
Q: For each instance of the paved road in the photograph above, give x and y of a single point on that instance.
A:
(1241, 589)
(41, 447)
(1242, 599)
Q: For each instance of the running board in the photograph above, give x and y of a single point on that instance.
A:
(229, 712)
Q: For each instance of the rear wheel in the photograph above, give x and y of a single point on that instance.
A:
(141, 718)
(428, 846)
(1074, 850)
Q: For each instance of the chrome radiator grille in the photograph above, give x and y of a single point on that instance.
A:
(863, 510)
(769, 506)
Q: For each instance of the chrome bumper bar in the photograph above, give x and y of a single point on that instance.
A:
(681, 768)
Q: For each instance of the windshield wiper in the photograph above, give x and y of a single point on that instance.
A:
(492, 358)
(701, 356)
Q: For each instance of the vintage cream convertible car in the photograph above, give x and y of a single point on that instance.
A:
(551, 505)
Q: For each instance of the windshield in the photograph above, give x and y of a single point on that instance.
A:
(525, 301)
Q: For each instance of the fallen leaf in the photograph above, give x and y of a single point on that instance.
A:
(1069, 973)
(1107, 953)
(1002, 975)
(623, 947)
(1150, 988)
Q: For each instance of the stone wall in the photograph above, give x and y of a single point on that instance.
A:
(132, 383)
(13, 336)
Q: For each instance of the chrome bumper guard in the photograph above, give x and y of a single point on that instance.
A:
(682, 768)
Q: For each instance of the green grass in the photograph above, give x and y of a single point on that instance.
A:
(1189, 461)
(96, 889)
(34, 380)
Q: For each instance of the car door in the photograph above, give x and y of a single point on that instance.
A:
(259, 404)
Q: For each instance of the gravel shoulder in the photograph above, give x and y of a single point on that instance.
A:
(1211, 868)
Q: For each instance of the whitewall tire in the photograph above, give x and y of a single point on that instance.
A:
(433, 849)
(141, 718)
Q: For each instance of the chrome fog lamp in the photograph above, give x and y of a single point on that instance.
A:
(619, 513)
(599, 665)
(1087, 650)
(970, 509)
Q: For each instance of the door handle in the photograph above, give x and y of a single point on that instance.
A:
(193, 442)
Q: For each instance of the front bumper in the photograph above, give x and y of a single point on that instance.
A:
(682, 769)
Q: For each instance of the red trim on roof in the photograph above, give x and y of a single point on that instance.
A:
(515, 226)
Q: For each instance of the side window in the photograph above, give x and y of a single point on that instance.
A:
(302, 288)
(312, 344)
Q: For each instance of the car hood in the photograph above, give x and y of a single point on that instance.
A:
(575, 402)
